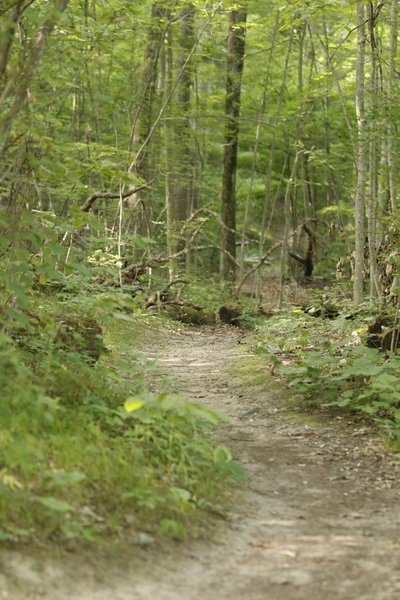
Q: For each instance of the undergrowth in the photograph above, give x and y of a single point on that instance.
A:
(327, 364)
(87, 451)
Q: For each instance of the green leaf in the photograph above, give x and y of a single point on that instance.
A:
(132, 404)
(181, 495)
(235, 470)
(222, 454)
(55, 504)
(62, 478)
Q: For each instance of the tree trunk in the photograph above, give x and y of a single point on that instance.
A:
(143, 119)
(392, 93)
(7, 37)
(372, 204)
(261, 113)
(285, 241)
(359, 209)
(235, 61)
(20, 80)
(183, 172)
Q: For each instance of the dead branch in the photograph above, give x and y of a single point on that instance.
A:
(162, 295)
(87, 205)
(193, 216)
(263, 260)
(297, 258)
(218, 217)
(173, 282)
(140, 268)
(226, 252)
(260, 263)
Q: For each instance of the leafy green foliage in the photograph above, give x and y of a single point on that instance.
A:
(338, 372)
(358, 378)
(76, 463)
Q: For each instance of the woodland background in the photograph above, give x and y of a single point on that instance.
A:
(247, 121)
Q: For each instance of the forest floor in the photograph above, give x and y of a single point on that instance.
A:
(318, 516)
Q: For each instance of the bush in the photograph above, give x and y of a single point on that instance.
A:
(85, 450)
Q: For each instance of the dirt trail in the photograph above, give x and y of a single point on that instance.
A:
(319, 517)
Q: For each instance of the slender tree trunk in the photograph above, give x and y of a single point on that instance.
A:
(7, 36)
(358, 284)
(257, 140)
(181, 176)
(23, 79)
(393, 146)
(235, 61)
(336, 79)
(299, 129)
(285, 241)
(372, 204)
(268, 208)
(144, 113)
(169, 159)
(142, 122)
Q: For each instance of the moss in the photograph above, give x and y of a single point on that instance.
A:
(189, 314)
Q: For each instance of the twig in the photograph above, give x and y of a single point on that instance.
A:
(192, 217)
(374, 17)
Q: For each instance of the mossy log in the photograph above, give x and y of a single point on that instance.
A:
(378, 330)
(188, 314)
(325, 311)
(68, 333)
(83, 335)
(230, 314)
(391, 340)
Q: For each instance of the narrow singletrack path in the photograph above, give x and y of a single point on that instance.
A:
(318, 517)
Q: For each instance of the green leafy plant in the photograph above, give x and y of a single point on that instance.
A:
(83, 444)
(356, 378)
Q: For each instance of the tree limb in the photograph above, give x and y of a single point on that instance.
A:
(140, 268)
(300, 260)
(87, 205)
(264, 259)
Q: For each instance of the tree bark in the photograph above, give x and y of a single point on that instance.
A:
(261, 113)
(144, 114)
(235, 62)
(392, 92)
(180, 160)
(372, 203)
(23, 78)
(7, 38)
(142, 166)
(184, 159)
(359, 208)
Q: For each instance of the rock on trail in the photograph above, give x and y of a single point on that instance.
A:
(318, 517)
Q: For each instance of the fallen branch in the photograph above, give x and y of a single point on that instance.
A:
(193, 216)
(171, 283)
(226, 252)
(87, 205)
(263, 260)
(162, 295)
(260, 263)
(219, 220)
(140, 268)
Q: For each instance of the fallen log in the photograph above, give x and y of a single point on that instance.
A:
(68, 334)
